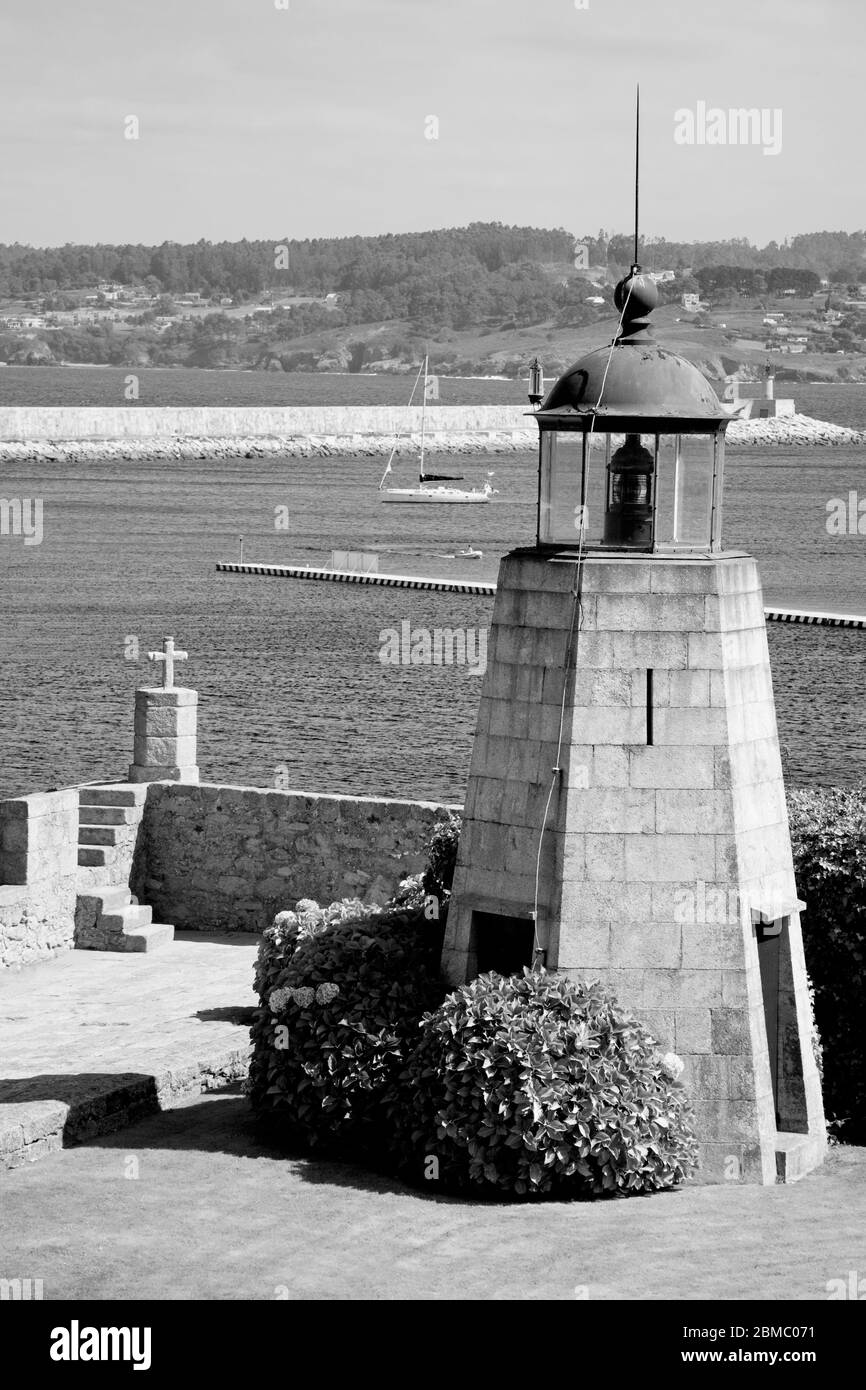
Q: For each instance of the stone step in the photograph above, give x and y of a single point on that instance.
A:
(95, 856)
(797, 1155)
(90, 878)
(148, 938)
(108, 897)
(106, 815)
(112, 796)
(130, 918)
(104, 1103)
(98, 834)
(115, 896)
(101, 911)
(111, 919)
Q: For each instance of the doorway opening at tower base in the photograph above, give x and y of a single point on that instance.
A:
(503, 944)
(784, 1044)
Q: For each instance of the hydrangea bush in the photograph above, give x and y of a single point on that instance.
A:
(537, 1085)
(341, 990)
(527, 1086)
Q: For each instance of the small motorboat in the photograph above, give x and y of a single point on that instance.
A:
(470, 553)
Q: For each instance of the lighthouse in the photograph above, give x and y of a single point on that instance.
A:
(625, 816)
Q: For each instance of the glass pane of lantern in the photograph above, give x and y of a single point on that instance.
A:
(564, 508)
(549, 502)
(685, 491)
(595, 487)
(694, 494)
(667, 462)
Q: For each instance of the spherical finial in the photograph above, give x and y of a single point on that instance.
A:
(635, 296)
(643, 296)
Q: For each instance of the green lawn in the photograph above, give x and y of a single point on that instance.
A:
(215, 1214)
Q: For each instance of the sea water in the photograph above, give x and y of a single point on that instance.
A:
(292, 687)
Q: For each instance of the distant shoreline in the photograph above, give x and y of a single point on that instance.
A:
(407, 370)
(253, 371)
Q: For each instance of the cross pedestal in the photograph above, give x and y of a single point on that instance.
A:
(164, 748)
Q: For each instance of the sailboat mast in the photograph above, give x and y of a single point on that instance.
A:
(423, 421)
(394, 450)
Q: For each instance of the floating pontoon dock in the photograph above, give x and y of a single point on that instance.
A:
(472, 586)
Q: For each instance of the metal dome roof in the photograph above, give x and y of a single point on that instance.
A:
(634, 376)
(642, 379)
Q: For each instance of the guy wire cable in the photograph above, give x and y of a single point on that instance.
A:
(573, 640)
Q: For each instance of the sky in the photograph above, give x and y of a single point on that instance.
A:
(305, 118)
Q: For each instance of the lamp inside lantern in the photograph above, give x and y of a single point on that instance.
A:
(629, 511)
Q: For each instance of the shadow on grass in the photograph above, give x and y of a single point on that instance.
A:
(242, 1014)
(224, 1123)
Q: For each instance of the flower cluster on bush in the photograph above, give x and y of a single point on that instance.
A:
(538, 1085)
(303, 996)
(828, 833)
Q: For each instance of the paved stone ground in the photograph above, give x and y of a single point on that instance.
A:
(92, 1039)
(214, 1213)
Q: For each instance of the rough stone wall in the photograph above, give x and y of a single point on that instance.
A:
(38, 864)
(36, 921)
(228, 858)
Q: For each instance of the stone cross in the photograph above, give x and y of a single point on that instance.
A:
(169, 656)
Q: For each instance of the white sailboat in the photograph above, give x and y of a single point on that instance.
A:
(427, 492)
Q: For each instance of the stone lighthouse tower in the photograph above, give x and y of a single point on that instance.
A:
(625, 815)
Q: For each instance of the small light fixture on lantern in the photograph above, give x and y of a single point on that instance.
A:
(536, 382)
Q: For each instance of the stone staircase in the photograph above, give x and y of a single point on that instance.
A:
(107, 916)
(108, 819)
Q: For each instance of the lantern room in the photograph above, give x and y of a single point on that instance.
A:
(631, 450)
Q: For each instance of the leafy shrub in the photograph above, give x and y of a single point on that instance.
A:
(539, 1085)
(341, 991)
(828, 832)
(441, 858)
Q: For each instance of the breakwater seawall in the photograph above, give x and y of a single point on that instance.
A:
(123, 433)
(136, 422)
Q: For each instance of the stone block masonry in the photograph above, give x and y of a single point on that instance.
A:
(35, 838)
(164, 748)
(667, 796)
(38, 868)
(229, 858)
